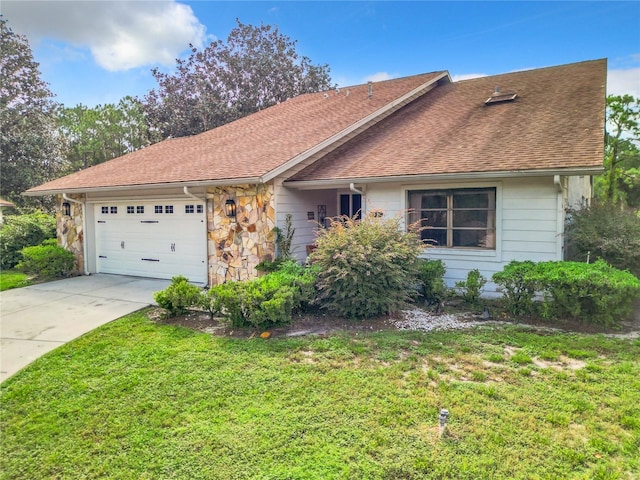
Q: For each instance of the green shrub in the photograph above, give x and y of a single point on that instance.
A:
(21, 231)
(47, 261)
(265, 301)
(517, 288)
(432, 287)
(605, 231)
(178, 297)
(367, 267)
(594, 293)
(470, 289)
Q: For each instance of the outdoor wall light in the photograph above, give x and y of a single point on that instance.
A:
(66, 208)
(311, 215)
(230, 209)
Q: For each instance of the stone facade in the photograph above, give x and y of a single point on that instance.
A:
(69, 229)
(235, 247)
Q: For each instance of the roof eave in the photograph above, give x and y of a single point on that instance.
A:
(148, 186)
(345, 182)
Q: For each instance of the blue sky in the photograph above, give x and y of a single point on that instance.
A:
(95, 52)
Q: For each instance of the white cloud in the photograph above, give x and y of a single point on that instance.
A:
(624, 81)
(120, 34)
(467, 76)
(379, 77)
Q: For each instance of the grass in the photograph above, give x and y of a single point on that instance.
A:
(134, 399)
(11, 279)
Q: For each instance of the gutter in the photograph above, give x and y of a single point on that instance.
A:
(84, 231)
(148, 186)
(408, 179)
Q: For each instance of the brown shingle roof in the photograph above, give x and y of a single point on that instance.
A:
(556, 122)
(247, 148)
(6, 203)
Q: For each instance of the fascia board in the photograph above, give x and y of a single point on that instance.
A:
(148, 186)
(341, 182)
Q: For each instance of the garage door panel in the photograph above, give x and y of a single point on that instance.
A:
(149, 242)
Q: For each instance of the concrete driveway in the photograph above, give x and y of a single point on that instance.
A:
(36, 319)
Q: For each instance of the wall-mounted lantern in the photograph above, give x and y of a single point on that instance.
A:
(230, 209)
(66, 209)
(311, 215)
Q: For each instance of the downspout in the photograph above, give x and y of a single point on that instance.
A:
(84, 231)
(557, 181)
(352, 187)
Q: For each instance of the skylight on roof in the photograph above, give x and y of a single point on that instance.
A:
(499, 97)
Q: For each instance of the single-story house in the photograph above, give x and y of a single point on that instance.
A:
(4, 204)
(489, 165)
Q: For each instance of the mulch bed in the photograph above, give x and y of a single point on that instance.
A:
(322, 324)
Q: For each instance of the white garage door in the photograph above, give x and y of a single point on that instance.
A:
(158, 239)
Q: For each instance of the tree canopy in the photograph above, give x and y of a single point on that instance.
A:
(621, 180)
(95, 135)
(256, 68)
(30, 148)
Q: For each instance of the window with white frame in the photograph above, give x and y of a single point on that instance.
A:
(455, 218)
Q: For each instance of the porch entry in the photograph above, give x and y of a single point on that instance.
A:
(351, 205)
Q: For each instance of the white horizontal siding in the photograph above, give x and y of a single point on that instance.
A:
(527, 225)
(298, 203)
(528, 219)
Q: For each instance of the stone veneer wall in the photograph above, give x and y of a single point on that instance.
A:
(69, 229)
(236, 247)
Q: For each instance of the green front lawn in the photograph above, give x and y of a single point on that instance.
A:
(12, 279)
(134, 399)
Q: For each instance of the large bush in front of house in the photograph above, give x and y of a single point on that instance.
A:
(605, 231)
(366, 267)
(47, 261)
(266, 301)
(20, 231)
(595, 293)
(178, 297)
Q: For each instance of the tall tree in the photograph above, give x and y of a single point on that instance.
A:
(622, 155)
(95, 135)
(29, 144)
(257, 67)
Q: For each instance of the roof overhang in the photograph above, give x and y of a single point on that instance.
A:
(228, 182)
(441, 177)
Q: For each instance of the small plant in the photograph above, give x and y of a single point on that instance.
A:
(521, 358)
(284, 239)
(47, 261)
(265, 301)
(471, 289)
(178, 297)
(432, 286)
(517, 287)
(268, 266)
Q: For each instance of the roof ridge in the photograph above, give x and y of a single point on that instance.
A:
(531, 69)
